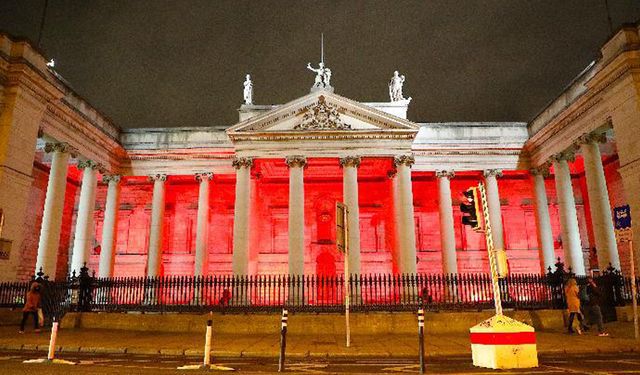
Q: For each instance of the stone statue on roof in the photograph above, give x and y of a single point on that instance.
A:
(248, 90)
(395, 87)
(323, 76)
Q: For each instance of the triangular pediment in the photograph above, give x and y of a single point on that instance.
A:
(322, 112)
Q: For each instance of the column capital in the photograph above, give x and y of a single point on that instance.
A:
(542, 170)
(298, 161)
(350, 161)
(204, 176)
(406, 159)
(445, 174)
(158, 177)
(244, 162)
(107, 178)
(567, 155)
(593, 137)
(492, 173)
(88, 163)
(63, 147)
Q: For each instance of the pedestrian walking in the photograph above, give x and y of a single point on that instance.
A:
(571, 292)
(592, 306)
(31, 306)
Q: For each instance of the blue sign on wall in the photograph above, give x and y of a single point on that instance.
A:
(622, 217)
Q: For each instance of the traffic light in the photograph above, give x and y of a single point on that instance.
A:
(470, 209)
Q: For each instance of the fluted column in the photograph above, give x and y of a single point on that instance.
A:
(495, 213)
(543, 220)
(154, 260)
(296, 214)
(202, 225)
(240, 262)
(53, 208)
(568, 215)
(406, 228)
(447, 233)
(599, 204)
(350, 166)
(83, 239)
(109, 226)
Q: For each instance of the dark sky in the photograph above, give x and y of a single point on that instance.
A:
(182, 63)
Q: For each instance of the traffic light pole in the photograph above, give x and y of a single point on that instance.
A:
(490, 248)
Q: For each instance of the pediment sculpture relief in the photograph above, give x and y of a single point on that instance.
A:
(322, 116)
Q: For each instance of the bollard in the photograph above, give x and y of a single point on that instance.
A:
(52, 349)
(283, 340)
(52, 340)
(421, 338)
(206, 363)
(207, 344)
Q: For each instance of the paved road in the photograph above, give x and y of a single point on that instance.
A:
(11, 363)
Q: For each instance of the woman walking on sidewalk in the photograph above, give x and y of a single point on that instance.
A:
(31, 307)
(571, 292)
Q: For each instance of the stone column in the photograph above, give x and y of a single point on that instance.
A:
(83, 239)
(406, 228)
(568, 216)
(241, 229)
(350, 166)
(543, 220)
(110, 226)
(202, 227)
(154, 259)
(599, 204)
(53, 208)
(296, 214)
(447, 233)
(495, 212)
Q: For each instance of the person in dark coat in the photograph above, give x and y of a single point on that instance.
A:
(593, 310)
(31, 306)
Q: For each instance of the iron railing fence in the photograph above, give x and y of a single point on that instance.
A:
(379, 292)
(316, 293)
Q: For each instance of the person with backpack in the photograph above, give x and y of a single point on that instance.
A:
(572, 295)
(592, 305)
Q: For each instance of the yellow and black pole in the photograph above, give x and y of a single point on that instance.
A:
(283, 339)
(493, 263)
(421, 338)
(342, 244)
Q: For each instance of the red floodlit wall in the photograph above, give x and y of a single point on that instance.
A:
(323, 187)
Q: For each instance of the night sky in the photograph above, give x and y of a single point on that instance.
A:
(182, 63)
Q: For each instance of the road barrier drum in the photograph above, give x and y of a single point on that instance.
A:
(503, 343)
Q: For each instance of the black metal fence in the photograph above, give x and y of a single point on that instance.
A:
(307, 293)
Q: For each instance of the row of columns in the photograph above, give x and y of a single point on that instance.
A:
(403, 212)
(349, 165)
(599, 204)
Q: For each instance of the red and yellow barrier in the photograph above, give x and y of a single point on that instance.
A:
(503, 343)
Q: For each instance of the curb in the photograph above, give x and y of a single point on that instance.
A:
(169, 352)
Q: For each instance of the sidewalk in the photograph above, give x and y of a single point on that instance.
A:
(265, 345)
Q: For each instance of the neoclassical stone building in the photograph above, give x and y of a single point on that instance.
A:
(258, 197)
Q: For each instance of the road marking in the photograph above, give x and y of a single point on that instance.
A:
(310, 368)
(564, 369)
(405, 368)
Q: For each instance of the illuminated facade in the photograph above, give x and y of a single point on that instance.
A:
(259, 197)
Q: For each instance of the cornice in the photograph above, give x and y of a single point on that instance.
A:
(623, 64)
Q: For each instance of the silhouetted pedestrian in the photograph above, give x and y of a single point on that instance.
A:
(592, 308)
(31, 306)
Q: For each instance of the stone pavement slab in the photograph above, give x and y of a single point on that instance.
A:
(298, 345)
